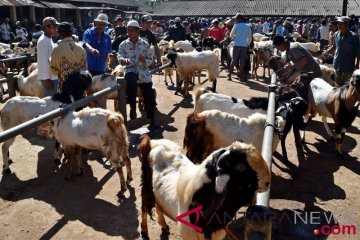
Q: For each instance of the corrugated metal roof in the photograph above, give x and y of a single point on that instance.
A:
(16, 2)
(255, 8)
(58, 5)
(128, 3)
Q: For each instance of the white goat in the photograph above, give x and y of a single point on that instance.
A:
(184, 45)
(205, 100)
(210, 130)
(227, 179)
(18, 110)
(30, 85)
(93, 129)
(328, 74)
(188, 63)
(313, 47)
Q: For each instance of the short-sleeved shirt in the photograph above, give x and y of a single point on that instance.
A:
(67, 57)
(241, 33)
(120, 31)
(148, 36)
(296, 52)
(45, 48)
(103, 45)
(128, 50)
(347, 49)
(217, 33)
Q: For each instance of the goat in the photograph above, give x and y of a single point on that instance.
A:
(30, 85)
(205, 100)
(328, 74)
(93, 129)
(20, 109)
(210, 130)
(187, 63)
(260, 56)
(169, 71)
(32, 67)
(225, 181)
(184, 45)
(338, 103)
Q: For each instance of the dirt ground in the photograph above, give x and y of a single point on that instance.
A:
(36, 202)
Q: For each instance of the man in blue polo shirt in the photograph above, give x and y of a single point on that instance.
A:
(347, 49)
(98, 45)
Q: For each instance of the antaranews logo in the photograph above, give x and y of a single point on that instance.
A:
(189, 224)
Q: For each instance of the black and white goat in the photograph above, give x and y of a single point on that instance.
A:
(20, 109)
(225, 181)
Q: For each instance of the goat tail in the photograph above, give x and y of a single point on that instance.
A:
(197, 93)
(147, 193)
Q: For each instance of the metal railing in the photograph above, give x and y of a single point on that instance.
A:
(259, 217)
(62, 110)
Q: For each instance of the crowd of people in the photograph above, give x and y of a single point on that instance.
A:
(56, 61)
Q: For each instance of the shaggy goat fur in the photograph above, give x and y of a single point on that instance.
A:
(225, 181)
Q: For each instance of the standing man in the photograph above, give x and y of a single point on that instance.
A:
(135, 54)
(98, 45)
(241, 34)
(347, 50)
(5, 31)
(149, 36)
(323, 35)
(266, 26)
(45, 47)
(177, 32)
(119, 29)
(216, 32)
(68, 56)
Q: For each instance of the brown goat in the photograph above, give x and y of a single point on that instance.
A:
(260, 56)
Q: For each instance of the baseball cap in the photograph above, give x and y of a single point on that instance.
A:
(146, 18)
(65, 27)
(118, 18)
(177, 19)
(133, 23)
(343, 19)
(49, 21)
(102, 17)
(278, 39)
(214, 21)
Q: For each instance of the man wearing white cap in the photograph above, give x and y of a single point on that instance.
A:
(97, 43)
(135, 54)
(347, 48)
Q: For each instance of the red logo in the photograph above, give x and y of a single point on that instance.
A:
(197, 211)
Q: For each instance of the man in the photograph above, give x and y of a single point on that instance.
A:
(177, 32)
(215, 31)
(100, 45)
(119, 29)
(266, 26)
(323, 35)
(45, 47)
(5, 31)
(37, 34)
(241, 34)
(68, 56)
(258, 27)
(347, 49)
(149, 36)
(20, 32)
(135, 54)
(301, 58)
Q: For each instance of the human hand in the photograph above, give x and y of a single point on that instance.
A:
(125, 62)
(95, 52)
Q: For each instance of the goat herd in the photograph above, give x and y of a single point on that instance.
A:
(222, 169)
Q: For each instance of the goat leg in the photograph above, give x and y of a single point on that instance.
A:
(331, 136)
(129, 177)
(144, 227)
(78, 155)
(165, 230)
(118, 166)
(5, 152)
(214, 86)
(286, 131)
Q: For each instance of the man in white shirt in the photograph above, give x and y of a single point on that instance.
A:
(241, 34)
(323, 35)
(21, 33)
(5, 31)
(45, 47)
(266, 26)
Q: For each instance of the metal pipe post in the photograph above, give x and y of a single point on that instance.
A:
(122, 97)
(11, 84)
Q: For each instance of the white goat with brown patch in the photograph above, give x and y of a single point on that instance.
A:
(225, 181)
(93, 129)
(340, 104)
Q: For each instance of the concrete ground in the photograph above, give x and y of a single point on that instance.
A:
(36, 202)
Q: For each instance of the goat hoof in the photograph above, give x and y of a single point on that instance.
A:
(80, 172)
(339, 156)
(129, 180)
(285, 158)
(7, 171)
(145, 236)
(10, 161)
(57, 161)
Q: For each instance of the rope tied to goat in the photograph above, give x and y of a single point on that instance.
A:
(276, 127)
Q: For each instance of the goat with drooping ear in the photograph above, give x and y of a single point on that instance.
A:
(225, 181)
